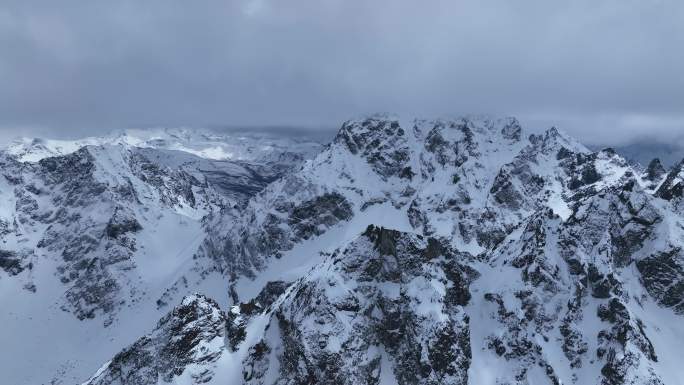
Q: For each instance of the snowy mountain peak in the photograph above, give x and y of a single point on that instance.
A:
(448, 251)
(672, 187)
(655, 170)
(555, 139)
(192, 334)
(237, 146)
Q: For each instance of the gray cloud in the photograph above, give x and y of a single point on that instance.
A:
(606, 70)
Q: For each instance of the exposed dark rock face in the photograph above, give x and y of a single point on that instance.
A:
(516, 343)
(602, 285)
(191, 334)
(242, 313)
(504, 192)
(620, 223)
(175, 186)
(324, 211)
(655, 170)
(673, 186)
(530, 259)
(619, 359)
(512, 130)
(451, 153)
(356, 316)
(370, 305)
(314, 202)
(11, 262)
(93, 253)
(663, 276)
(80, 234)
(381, 141)
(269, 294)
(243, 249)
(120, 224)
(624, 213)
(88, 204)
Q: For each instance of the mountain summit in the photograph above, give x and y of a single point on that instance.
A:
(460, 251)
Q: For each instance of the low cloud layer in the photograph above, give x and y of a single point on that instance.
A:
(606, 71)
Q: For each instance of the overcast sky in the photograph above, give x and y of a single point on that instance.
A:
(604, 70)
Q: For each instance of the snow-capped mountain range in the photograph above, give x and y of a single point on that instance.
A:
(207, 144)
(459, 251)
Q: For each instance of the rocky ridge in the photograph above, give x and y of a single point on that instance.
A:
(427, 252)
(516, 260)
(95, 237)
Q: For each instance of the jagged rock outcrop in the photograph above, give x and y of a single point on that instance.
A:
(572, 272)
(389, 305)
(449, 175)
(456, 251)
(192, 334)
(95, 235)
(570, 246)
(672, 188)
(655, 171)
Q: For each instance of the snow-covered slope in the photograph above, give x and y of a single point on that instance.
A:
(472, 180)
(252, 146)
(93, 242)
(412, 252)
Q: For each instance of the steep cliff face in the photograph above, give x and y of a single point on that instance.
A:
(190, 335)
(93, 241)
(426, 252)
(577, 286)
(438, 177)
(388, 305)
(515, 260)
